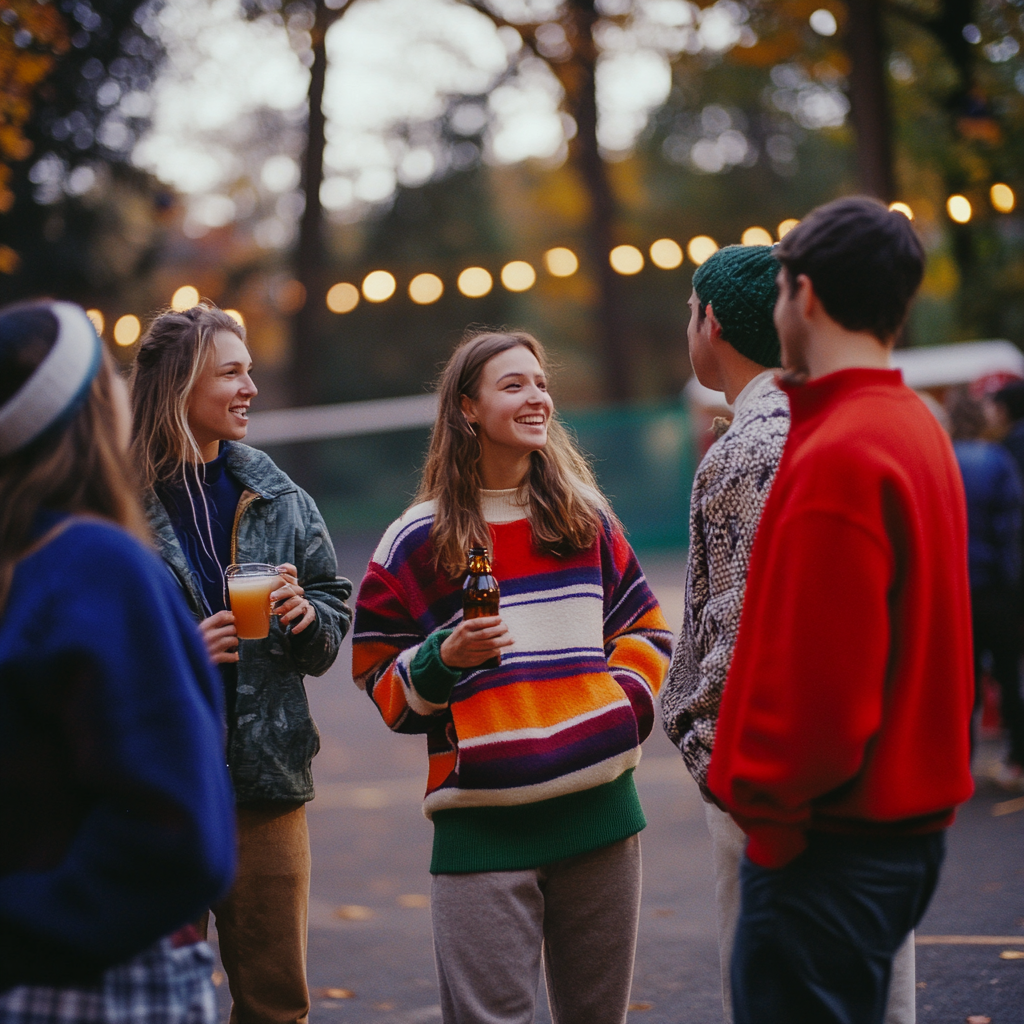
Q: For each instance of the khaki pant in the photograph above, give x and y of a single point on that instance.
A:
(261, 923)
(728, 843)
(490, 928)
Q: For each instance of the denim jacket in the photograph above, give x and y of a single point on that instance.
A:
(273, 739)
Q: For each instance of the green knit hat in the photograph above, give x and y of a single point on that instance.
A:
(739, 283)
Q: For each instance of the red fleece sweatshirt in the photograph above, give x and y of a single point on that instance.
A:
(848, 702)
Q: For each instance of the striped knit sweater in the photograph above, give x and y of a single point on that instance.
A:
(530, 762)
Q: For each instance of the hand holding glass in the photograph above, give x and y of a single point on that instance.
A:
(249, 588)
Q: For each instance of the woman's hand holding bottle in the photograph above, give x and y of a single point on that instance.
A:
(474, 641)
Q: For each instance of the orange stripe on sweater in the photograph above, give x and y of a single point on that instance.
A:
(440, 766)
(366, 655)
(639, 656)
(652, 619)
(389, 696)
(534, 704)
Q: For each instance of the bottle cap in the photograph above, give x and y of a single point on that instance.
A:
(477, 551)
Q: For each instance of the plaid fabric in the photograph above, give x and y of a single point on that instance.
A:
(163, 985)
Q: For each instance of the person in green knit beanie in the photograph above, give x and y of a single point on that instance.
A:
(734, 348)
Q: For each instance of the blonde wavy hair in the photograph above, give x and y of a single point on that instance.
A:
(564, 503)
(172, 355)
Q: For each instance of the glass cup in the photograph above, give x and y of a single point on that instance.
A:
(249, 588)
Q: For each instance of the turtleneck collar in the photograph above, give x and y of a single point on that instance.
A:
(501, 506)
(810, 397)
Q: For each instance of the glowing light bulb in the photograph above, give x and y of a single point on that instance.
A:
(518, 276)
(756, 236)
(185, 298)
(97, 319)
(561, 262)
(959, 208)
(626, 259)
(702, 247)
(342, 297)
(236, 316)
(475, 282)
(425, 289)
(127, 330)
(666, 254)
(786, 226)
(1002, 197)
(378, 286)
(902, 208)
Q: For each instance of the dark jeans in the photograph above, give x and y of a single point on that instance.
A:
(994, 617)
(815, 939)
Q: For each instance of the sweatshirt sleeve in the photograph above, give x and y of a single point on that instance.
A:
(397, 664)
(637, 640)
(113, 670)
(804, 697)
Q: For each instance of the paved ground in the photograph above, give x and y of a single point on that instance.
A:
(370, 955)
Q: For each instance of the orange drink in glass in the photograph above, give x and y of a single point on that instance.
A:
(249, 588)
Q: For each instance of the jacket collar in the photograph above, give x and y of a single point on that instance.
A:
(255, 471)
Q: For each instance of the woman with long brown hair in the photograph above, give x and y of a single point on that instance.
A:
(530, 785)
(213, 501)
(114, 799)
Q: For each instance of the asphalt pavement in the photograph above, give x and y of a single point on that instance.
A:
(370, 957)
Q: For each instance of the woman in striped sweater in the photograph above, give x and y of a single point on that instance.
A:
(530, 783)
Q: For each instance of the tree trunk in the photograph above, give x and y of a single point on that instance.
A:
(585, 156)
(309, 251)
(869, 98)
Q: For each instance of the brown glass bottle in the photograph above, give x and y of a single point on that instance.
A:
(480, 594)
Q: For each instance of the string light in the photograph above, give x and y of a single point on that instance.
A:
(475, 282)
(756, 236)
(561, 262)
(184, 298)
(518, 276)
(127, 330)
(902, 208)
(97, 319)
(701, 248)
(425, 289)
(236, 316)
(786, 226)
(666, 254)
(959, 208)
(342, 297)
(626, 259)
(1002, 197)
(378, 286)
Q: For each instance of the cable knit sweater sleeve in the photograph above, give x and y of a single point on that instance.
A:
(729, 492)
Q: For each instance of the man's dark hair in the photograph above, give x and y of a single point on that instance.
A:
(1011, 398)
(864, 261)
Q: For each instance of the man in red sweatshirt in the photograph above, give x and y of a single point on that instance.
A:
(842, 747)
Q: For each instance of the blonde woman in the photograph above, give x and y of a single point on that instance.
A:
(530, 785)
(213, 501)
(114, 802)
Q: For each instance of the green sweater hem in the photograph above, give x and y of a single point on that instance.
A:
(527, 835)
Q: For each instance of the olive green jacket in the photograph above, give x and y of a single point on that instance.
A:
(273, 739)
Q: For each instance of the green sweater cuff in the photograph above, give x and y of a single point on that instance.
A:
(433, 679)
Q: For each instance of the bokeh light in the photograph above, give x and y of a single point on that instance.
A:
(342, 297)
(185, 298)
(236, 316)
(902, 208)
(824, 22)
(425, 289)
(959, 208)
(97, 319)
(475, 282)
(127, 330)
(666, 254)
(561, 262)
(757, 236)
(786, 226)
(701, 248)
(518, 276)
(1002, 197)
(626, 259)
(378, 286)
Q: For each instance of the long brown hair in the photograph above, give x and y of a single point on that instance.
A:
(564, 503)
(171, 358)
(80, 467)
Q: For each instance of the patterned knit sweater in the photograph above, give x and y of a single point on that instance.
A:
(729, 493)
(532, 761)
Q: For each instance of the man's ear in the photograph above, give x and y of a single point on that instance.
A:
(715, 326)
(467, 408)
(807, 300)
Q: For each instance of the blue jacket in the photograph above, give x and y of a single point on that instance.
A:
(994, 505)
(272, 737)
(116, 813)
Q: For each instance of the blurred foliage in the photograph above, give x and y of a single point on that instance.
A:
(75, 76)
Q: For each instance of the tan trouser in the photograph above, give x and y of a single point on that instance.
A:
(261, 923)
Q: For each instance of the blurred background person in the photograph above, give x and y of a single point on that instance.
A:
(213, 501)
(995, 502)
(530, 789)
(114, 800)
